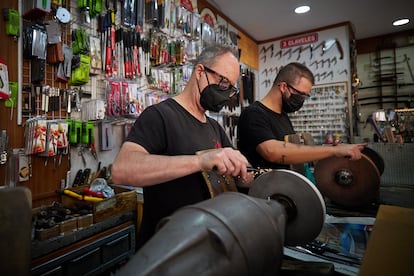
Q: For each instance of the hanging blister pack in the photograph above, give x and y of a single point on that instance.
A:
(80, 75)
(24, 170)
(87, 133)
(34, 41)
(129, 13)
(55, 53)
(64, 69)
(80, 42)
(54, 43)
(39, 42)
(62, 139)
(90, 9)
(75, 130)
(12, 100)
(4, 80)
(39, 136)
(95, 8)
(37, 72)
(96, 55)
(11, 16)
(140, 14)
(34, 48)
(52, 136)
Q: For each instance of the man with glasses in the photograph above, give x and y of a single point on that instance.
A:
(263, 125)
(160, 152)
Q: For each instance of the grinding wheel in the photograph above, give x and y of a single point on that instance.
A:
(376, 158)
(347, 182)
(303, 202)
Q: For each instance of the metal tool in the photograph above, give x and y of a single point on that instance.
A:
(328, 45)
(407, 60)
(350, 183)
(299, 196)
(233, 233)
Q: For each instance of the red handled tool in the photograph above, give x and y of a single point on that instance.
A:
(88, 191)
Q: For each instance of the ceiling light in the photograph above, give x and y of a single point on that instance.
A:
(302, 9)
(400, 22)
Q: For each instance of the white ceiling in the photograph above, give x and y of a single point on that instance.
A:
(269, 19)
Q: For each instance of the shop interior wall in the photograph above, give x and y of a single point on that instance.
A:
(248, 46)
(46, 178)
(397, 53)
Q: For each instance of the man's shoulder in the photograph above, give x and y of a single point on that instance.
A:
(167, 105)
(256, 107)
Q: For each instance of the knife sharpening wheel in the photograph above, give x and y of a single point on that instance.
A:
(350, 183)
(376, 158)
(304, 204)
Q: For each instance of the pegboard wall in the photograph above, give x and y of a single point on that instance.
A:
(171, 36)
(325, 113)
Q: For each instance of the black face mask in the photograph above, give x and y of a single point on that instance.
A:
(213, 98)
(294, 103)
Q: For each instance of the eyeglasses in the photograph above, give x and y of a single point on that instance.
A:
(224, 83)
(303, 94)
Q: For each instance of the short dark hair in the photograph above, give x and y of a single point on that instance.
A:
(209, 54)
(292, 73)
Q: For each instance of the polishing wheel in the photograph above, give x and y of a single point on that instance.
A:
(304, 205)
(350, 183)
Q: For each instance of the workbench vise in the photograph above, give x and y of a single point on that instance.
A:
(234, 233)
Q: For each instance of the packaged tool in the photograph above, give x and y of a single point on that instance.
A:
(4, 80)
(11, 16)
(34, 41)
(80, 41)
(105, 136)
(87, 133)
(80, 75)
(75, 128)
(12, 100)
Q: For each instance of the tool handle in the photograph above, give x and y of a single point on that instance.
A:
(88, 191)
(81, 197)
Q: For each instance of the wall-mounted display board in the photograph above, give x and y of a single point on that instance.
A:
(324, 114)
(327, 54)
(386, 77)
(386, 82)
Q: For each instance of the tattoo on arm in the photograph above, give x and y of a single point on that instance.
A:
(282, 158)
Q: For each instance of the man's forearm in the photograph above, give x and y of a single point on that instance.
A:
(143, 169)
(287, 153)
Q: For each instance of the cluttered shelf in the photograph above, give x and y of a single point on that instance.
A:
(79, 235)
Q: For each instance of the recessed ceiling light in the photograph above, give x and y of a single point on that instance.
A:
(302, 9)
(400, 22)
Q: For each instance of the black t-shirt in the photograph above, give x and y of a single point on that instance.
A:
(168, 129)
(257, 124)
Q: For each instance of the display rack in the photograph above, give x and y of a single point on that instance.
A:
(324, 113)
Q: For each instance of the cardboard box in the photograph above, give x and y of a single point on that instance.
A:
(390, 246)
(123, 201)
